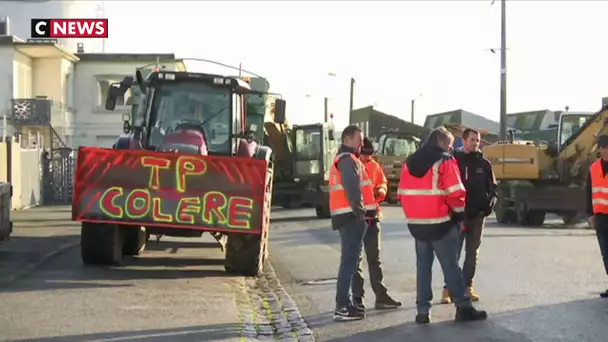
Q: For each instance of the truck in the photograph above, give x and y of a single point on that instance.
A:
(536, 177)
(186, 165)
(392, 151)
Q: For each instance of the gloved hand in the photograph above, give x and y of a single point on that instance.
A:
(490, 207)
(380, 194)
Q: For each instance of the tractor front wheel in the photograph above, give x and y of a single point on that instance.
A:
(101, 244)
(245, 254)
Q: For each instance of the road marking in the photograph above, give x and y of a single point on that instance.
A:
(326, 281)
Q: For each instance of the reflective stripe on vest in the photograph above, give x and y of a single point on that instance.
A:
(599, 188)
(434, 191)
(338, 201)
(340, 187)
(435, 187)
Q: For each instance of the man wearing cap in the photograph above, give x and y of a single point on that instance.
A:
(371, 240)
(597, 200)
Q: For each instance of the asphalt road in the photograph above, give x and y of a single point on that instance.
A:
(538, 284)
(176, 291)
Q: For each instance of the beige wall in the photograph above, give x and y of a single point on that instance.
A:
(26, 171)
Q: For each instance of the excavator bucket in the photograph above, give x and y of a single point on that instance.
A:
(145, 188)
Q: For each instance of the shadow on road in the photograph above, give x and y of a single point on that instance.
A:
(159, 262)
(29, 248)
(571, 321)
(293, 219)
(201, 333)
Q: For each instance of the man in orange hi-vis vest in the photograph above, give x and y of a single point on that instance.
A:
(371, 240)
(433, 199)
(351, 204)
(597, 200)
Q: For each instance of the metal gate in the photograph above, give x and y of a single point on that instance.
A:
(58, 178)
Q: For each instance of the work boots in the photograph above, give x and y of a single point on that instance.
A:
(470, 314)
(447, 299)
(472, 294)
(385, 302)
(445, 296)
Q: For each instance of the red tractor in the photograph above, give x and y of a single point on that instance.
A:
(186, 165)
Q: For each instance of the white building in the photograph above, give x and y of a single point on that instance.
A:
(21, 12)
(64, 93)
(37, 78)
(95, 126)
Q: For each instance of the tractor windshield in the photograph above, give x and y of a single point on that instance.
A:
(192, 101)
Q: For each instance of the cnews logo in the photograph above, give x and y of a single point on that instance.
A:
(69, 28)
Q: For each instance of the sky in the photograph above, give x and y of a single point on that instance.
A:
(436, 52)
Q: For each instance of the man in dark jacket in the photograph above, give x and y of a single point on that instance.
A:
(433, 200)
(478, 179)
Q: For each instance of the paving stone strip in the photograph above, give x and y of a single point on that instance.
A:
(267, 312)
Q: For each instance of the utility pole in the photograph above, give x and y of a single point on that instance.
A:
(325, 109)
(503, 70)
(413, 109)
(352, 95)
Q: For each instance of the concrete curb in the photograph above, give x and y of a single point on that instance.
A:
(34, 265)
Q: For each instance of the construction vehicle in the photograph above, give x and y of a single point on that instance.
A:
(393, 149)
(539, 177)
(315, 148)
(186, 165)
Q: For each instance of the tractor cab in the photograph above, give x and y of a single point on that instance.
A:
(314, 147)
(187, 112)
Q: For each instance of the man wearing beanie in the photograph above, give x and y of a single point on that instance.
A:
(371, 240)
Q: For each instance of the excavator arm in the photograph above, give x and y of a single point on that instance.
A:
(579, 150)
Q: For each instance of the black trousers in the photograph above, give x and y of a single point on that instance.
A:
(371, 244)
(601, 230)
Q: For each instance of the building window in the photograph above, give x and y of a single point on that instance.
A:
(103, 86)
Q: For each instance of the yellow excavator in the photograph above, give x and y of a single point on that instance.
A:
(537, 177)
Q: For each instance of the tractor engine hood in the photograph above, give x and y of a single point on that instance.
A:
(188, 141)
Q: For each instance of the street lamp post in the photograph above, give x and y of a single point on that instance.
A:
(351, 96)
(413, 107)
(503, 68)
(325, 107)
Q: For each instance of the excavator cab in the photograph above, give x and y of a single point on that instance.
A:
(393, 150)
(314, 147)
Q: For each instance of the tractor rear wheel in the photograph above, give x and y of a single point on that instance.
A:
(245, 254)
(135, 239)
(101, 244)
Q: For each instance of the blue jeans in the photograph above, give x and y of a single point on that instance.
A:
(351, 238)
(447, 250)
